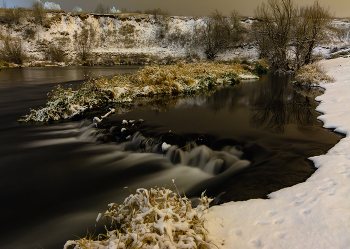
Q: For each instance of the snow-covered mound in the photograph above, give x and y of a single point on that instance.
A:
(313, 214)
(155, 218)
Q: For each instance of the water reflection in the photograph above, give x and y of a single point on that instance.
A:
(273, 103)
(280, 105)
(13, 77)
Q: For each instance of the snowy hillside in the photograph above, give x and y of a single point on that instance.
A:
(115, 38)
(137, 38)
(110, 35)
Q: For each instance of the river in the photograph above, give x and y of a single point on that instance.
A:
(55, 178)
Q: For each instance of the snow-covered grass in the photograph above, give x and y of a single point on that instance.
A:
(155, 218)
(313, 214)
(151, 80)
(312, 74)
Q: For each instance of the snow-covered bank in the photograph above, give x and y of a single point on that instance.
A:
(313, 214)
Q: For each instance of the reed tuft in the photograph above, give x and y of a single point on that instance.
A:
(155, 218)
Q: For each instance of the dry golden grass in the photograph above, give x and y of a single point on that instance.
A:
(155, 218)
(151, 80)
(312, 74)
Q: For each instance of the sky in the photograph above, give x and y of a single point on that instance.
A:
(340, 8)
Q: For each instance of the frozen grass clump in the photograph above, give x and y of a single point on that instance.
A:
(151, 80)
(312, 75)
(156, 218)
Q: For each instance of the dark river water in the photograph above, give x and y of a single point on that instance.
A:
(55, 178)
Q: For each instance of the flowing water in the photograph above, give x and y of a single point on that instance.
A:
(241, 142)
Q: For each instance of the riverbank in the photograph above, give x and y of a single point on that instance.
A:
(313, 214)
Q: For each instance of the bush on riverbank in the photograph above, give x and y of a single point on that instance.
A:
(12, 51)
(151, 80)
(156, 218)
(312, 74)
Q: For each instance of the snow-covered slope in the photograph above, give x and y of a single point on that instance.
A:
(313, 214)
(137, 36)
(111, 34)
(141, 38)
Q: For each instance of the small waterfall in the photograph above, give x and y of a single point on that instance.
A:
(190, 155)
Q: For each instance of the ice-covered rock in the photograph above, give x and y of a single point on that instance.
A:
(165, 146)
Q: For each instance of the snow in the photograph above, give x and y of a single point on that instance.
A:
(108, 113)
(313, 214)
(96, 120)
(159, 219)
(248, 77)
(165, 146)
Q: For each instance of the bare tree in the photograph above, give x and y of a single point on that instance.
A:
(283, 27)
(308, 31)
(220, 33)
(102, 9)
(272, 31)
(39, 13)
(84, 42)
(12, 51)
(13, 16)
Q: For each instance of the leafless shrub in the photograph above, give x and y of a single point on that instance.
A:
(102, 9)
(220, 33)
(84, 42)
(12, 51)
(39, 13)
(125, 10)
(312, 74)
(283, 27)
(157, 12)
(29, 33)
(178, 37)
(309, 29)
(12, 17)
(273, 31)
(55, 53)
